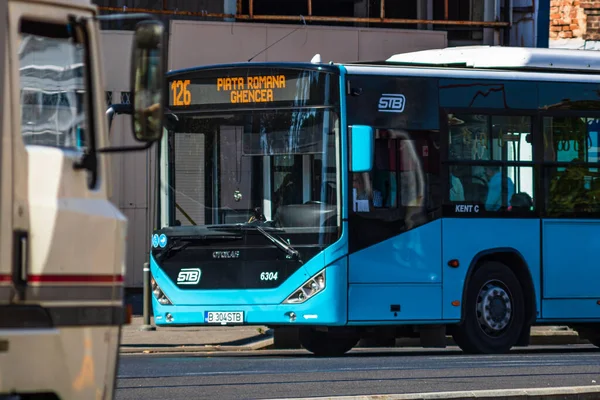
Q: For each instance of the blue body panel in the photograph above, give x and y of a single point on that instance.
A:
(465, 238)
(404, 271)
(571, 267)
(375, 302)
(570, 309)
(412, 257)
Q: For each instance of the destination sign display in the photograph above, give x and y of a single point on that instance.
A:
(248, 87)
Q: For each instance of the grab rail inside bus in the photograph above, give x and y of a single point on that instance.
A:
(186, 215)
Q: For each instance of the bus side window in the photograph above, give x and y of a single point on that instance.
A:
(571, 188)
(378, 188)
(479, 150)
(384, 176)
(403, 185)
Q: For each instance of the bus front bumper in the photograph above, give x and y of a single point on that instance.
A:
(326, 307)
(319, 310)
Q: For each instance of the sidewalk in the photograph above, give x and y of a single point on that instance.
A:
(193, 339)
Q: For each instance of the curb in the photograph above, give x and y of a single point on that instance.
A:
(574, 392)
(266, 341)
(253, 343)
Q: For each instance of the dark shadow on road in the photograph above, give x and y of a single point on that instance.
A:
(366, 353)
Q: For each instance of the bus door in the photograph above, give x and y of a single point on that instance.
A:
(570, 229)
(395, 256)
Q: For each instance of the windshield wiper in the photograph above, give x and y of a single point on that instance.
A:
(279, 242)
(171, 248)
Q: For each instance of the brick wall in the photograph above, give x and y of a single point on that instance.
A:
(591, 8)
(575, 19)
(567, 19)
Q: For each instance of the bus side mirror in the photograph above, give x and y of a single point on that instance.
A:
(147, 81)
(362, 143)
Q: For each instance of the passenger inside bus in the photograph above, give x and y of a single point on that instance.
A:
(520, 202)
(457, 192)
(494, 196)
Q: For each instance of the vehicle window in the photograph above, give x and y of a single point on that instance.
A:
(53, 86)
(278, 164)
(571, 156)
(403, 186)
(490, 163)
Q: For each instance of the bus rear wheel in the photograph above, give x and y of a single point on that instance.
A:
(494, 311)
(334, 342)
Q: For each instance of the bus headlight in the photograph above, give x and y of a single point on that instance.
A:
(158, 293)
(311, 287)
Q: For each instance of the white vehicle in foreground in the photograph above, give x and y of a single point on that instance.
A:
(62, 242)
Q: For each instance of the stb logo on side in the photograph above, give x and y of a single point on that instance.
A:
(392, 103)
(189, 276)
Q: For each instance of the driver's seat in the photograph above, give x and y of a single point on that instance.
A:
(475, 191)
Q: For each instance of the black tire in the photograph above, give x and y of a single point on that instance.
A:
(333, 343)
(595, 340)
(592, 335)
(496, 330)
(286, 338)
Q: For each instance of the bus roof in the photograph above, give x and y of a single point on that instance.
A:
(472, 57)
(498, 57)
(245, 64)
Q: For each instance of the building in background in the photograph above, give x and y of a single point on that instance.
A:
(218, 31)
(575, 24)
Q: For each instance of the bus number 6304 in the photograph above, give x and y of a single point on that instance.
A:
(268, 276)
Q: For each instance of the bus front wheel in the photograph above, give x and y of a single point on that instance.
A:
(331, 343)
(494, 311)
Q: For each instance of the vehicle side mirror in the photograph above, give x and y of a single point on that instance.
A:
(362, 144)
(147, 81)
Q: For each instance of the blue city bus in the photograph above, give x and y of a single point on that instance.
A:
(442, 192)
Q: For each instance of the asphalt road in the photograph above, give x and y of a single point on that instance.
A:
(281, 374)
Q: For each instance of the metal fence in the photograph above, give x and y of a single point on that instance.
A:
(167, 9)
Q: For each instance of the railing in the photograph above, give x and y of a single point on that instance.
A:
(310, 17)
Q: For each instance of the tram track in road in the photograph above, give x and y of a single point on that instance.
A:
(284, 374)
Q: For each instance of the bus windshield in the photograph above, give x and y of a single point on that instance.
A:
(279, 166)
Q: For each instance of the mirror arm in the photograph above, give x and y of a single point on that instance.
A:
(87, 161)
(122, 16)
(117, 109)
(124, 149)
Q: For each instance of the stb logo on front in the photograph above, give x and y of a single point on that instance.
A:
(391, 103)
(189, 276)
